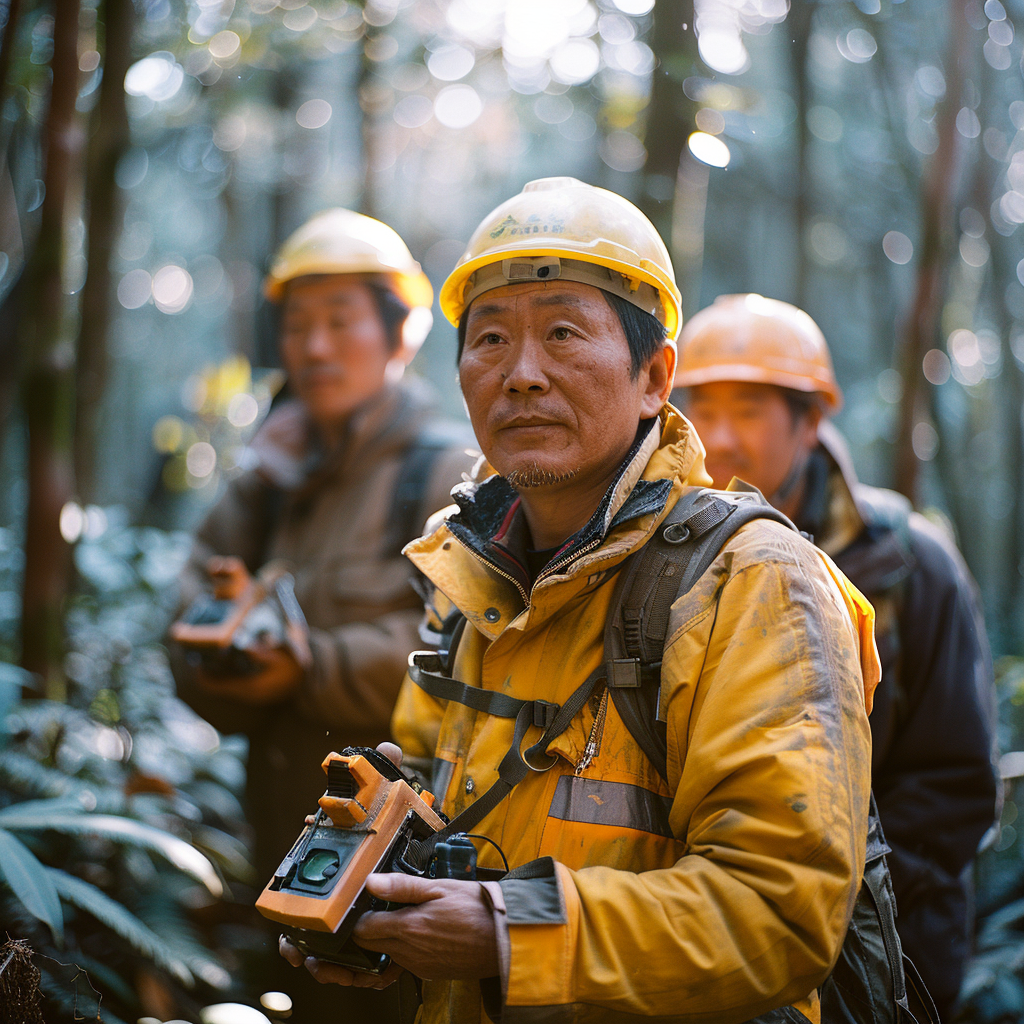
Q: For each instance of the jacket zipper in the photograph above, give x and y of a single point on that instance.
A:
(498, 570)
(552, 568)
(590, 751)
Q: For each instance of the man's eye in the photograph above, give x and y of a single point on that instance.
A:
(561, 334)
(491, 339)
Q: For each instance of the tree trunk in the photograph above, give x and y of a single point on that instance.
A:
(48, 383)
(923, 317)
(110, 138)
(670, 115)
(9, 361)
(798, 24)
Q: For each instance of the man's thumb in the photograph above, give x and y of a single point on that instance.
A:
(400, 888)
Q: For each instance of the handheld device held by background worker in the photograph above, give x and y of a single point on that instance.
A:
(367, 818)
(219, 629)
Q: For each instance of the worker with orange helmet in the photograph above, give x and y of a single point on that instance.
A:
(755, 378)
(341, 476)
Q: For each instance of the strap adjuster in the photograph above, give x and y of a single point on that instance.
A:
(625, 673)
(544, 713)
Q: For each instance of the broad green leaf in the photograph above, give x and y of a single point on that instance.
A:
(182, 855)
(28, 880)
(121, 920)
(52, 809)
(226, 849)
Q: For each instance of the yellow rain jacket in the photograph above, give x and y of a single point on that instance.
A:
(726, 891)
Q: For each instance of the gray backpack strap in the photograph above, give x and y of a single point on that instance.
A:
(665, 568)
(407, 515)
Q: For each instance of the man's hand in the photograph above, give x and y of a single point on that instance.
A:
(449, 933)
(279, 677)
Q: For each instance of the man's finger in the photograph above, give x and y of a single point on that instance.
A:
(329, 974)
(392, 751)
(400, 888)
(289, 952)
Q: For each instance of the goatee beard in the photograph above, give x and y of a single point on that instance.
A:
(534, 476)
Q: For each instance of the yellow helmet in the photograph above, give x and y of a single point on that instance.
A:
(765, 341)
(564, 228)
(344, 242)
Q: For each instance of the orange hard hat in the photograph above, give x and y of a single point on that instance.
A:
(765, 341)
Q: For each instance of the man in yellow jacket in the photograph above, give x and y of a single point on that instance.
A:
(724, 890)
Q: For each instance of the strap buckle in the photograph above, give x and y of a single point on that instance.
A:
(544, 713)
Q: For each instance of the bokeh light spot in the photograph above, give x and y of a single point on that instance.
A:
(623, 151)
(242, 410)
(450, 63)
(858, 45)
(636, 8)
(974, 251)
(224, 45)
(458, 106)
(301, 19)
(722, 49)
(172, 288)
(935, 366)
(967, 123)
(168, 433)
(413, 111)
(708, 149)
(134, 289)
(72, 521)
(931, 81)
(553, 109)
(825, 124)
(201, 459)
(157, 77)
(313, 114)
(925, 441)
(576, 61)
(898, 247)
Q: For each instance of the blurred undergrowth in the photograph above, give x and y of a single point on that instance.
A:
(119, 809)
(993, 991)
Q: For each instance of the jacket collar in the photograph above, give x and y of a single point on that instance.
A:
(665, 458)
(386, 422)
(856, 525)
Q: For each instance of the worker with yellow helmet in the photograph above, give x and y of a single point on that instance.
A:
(756, 379)
(714, 882)
(341, 476)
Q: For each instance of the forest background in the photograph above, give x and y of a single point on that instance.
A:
(863, 159)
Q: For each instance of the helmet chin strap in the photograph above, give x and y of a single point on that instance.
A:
(789, 485)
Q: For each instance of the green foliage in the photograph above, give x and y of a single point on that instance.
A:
(119, 808)
(993, 991)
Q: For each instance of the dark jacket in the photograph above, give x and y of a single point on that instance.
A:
(334, 527)
(933, 721)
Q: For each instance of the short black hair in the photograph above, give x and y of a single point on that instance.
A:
(391, 310)
(645, 333)
(800, 403)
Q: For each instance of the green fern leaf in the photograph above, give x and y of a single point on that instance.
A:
(120, 920)
(29, 882)
(182, 855)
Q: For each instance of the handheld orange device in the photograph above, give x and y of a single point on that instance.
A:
(242, 611)
(366, 820)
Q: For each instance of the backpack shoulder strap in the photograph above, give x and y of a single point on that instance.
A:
(665, 568)
(406, 515)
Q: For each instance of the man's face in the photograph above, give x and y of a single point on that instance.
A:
(750, 431)
(546, 376)
(333, 344)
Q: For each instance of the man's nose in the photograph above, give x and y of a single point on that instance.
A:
(317, 343)
(524, 373)
(717, 435)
